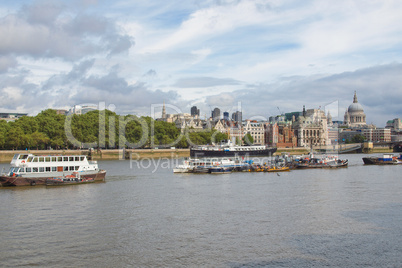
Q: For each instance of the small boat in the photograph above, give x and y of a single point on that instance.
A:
(320, 161)
(200, 169)
(220, 170)
(68, 180)
(278, 169)
(386, 159)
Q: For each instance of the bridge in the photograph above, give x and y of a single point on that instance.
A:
(340, 148)
(359, 147)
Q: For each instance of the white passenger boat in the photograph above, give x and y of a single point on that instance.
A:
(228, 149)
(29, 169)
(203, 165)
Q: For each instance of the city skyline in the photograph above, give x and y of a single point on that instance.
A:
(272, 56)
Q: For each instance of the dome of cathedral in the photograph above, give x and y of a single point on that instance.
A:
(355, 107)
(354, 115)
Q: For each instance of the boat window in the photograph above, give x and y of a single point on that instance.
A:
(29, 159)
(77, 167)
(35, 159)
(15, 156)
(47, 169)
(41, 169)
(53, 159)
(54, 169)
(59, 159)
(71, 158)
(82, 158)
(71, 168)
(23, 156)
(66, 168)
(41, 159)
(77, 158)
(47, 159)
(22, 170)
(35, 169)
(28, 169)
(65, 158)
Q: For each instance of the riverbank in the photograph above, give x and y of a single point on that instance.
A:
(136, 154)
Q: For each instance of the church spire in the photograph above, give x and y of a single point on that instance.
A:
(355, 98)
(164, 111)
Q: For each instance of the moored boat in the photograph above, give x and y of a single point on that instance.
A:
(220, 170)
(203, 165)
(278, 169)
(31, 170)
(320, 161)
(229, 149)
(386, 159)
(68, 180)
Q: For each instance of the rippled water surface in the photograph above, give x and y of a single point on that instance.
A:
(146, 216)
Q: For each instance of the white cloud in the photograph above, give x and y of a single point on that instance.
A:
(209, 22)
(285, 53)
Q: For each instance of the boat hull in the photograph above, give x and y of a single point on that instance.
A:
(220, 170)
(281, 169)
(230, 153)
(200, 170)
(378, 161)
(33, 181)
(67, 181)
(344, 164)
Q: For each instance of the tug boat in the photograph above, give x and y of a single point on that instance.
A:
(31, 170)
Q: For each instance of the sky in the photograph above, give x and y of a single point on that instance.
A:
(263, 57)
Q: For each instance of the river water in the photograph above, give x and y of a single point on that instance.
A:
(146, 216)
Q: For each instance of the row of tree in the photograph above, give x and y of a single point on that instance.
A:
(104, 129)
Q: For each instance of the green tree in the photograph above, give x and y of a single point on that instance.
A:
(196, 138)
(38, 140)
(15, 138)
(52, 125)
(217, 137)
(248, 139)
(4, 127)
(28, 124)
(182, 143)
(238, 141)
(358, 138)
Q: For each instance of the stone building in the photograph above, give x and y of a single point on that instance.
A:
(377, 134)
(234, 130)
(394, 124)
(311, 128)
(256, 130)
